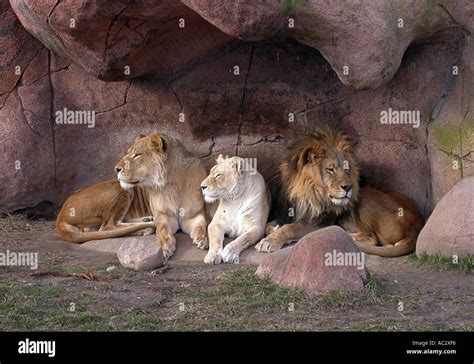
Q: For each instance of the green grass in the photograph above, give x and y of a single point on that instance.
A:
(374, 292)
(251, 291)
(45, 308)
(238, 301)
(310, 34)
(438, 262)
(39, 308)
(246, 292)
(287, 7)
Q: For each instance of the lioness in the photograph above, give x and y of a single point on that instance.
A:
(114, 211)
(169, 177)
(320, 184)
(244, 205)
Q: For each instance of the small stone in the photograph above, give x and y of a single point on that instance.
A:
(140, 254)
(111, 268)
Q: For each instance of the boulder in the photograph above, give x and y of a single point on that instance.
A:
(111, 246)
(120, 40)
(140, 254)
(375, 33)
(323, 261)
(450, 229)
(19, 49)
(154, 36)
(450, 141)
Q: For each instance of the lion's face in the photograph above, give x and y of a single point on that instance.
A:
(320, 175)
(336, 175)
(224, 179)
(144, 163)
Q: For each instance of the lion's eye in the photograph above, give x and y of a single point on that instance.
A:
(218, 175)
(136, 155)
(330, 170)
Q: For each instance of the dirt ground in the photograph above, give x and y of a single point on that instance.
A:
(77, 292)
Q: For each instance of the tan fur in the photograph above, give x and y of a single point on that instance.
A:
(385, 218)
(170, 178)
(103, 206)
(313, 176)
(244, 205)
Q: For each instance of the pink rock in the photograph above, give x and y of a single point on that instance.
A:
(105, 37)
(323, 261)
(451, 134)
(450, 229)
(140, 254)
(19, 49)
(370, 31)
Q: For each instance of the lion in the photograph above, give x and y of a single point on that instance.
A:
(170, 179)
(319, 181)
(244, 205)
(386, 218)
(105, 206)
(320, 186)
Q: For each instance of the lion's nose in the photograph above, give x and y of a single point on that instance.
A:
(346, 188)
(118, 169)
(203, 187)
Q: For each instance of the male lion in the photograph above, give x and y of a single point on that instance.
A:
(169, 177)
(244, 205)
(106, 206)
(319, 181)
(387, 218)
(320, 185)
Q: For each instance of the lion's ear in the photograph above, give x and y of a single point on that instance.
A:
(138, 137)
(157, 143)
(220, 158)
(311, 155)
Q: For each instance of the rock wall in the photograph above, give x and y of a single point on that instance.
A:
(233, 79)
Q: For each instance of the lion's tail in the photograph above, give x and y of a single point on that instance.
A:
(68, 232)
(403, 247)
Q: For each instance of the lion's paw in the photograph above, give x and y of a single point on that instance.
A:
(200, 239)
(213, 257)
(201, 242)
(267, 245)
(167, 242)
(231, 254)
(148, 231)
(358, 237)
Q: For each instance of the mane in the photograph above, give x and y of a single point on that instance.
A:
(303, 191)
